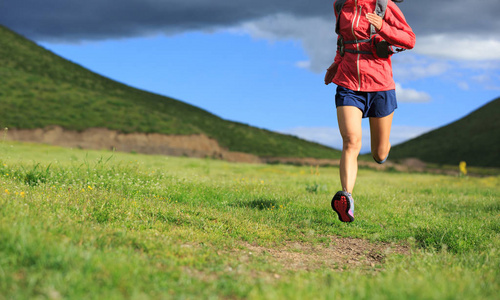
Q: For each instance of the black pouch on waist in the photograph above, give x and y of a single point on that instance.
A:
(382, 49)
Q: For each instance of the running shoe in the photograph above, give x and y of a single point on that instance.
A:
(343, 205)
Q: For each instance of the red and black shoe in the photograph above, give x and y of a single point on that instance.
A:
(343, 205)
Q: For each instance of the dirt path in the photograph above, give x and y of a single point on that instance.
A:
(341, 253)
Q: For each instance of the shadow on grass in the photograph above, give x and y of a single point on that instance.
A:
(260, 204)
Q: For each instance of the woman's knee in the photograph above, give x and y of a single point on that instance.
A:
(352, 143)
(380, 154)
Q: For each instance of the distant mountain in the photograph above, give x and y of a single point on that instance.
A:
(40, 89)
(474, 139)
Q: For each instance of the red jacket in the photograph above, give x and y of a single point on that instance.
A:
(365, 72)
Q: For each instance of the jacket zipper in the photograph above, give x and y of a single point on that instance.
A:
(356, 39)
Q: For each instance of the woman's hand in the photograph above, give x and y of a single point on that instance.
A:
(375, 20)
(330, 73)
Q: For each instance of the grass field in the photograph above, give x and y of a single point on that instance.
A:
(87, 224)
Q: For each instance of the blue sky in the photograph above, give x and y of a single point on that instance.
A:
(266, 69)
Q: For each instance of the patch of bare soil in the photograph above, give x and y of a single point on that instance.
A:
(197, 145)
(342, 253)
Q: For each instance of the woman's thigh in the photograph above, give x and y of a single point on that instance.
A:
(349, 119)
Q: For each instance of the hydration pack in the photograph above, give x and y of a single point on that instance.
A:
(380, 47)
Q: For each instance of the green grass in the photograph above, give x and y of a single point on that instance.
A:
(474, 139)
(87, 224)
(41, 89)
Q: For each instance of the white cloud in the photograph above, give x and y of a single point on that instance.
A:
(305, 64)
(401, 133)
(324, 135)
(328, 136)
(331, 136)
(411, 95)
(465, 75)
(408, 66)
(481, 65)
(430, 57)
(459, 47)
(463, 85)
(490, 80)
(316, 35)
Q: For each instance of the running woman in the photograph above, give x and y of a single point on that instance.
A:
(362, 71)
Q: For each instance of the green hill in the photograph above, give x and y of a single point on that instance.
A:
(39, 88)
(474, 139)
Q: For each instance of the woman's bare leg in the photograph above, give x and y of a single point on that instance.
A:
(349, 119)
(380, 131)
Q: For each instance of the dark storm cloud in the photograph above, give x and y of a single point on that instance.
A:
(73, 20)
(449, 16)
(97, 19)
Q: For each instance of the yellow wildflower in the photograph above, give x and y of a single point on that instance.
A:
(463, 168)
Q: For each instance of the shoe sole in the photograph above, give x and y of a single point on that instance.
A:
(341, 206)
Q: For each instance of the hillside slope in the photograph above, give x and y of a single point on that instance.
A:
(39, 89)
(474, 139)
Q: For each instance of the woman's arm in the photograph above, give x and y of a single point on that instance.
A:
(394, 28)
(332, 70)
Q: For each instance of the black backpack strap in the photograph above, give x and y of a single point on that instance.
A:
(357, 52)
(338, 4)
(380, 8)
